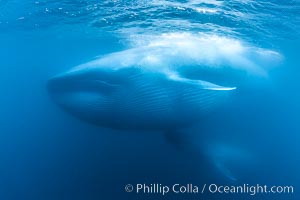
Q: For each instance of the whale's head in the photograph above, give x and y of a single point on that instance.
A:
(86, 93)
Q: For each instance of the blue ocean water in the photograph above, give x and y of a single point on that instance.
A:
(45, 153)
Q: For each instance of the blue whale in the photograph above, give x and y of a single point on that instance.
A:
(170, 83)
(134, 98)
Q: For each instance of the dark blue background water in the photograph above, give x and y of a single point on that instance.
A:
(47, 154)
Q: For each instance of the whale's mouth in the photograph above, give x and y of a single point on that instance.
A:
(85, 94)
(82, 91)
(71, 82)
(66, 85)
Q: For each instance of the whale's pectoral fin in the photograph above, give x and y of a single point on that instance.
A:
(223, 169)
(210, 86)
(230, 160)
(224, 159)
(199, 83)
(182, 142)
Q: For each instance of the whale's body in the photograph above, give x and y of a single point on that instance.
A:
(168, 84)
(134, 98)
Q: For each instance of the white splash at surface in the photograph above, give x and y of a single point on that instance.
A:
(184, 51)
